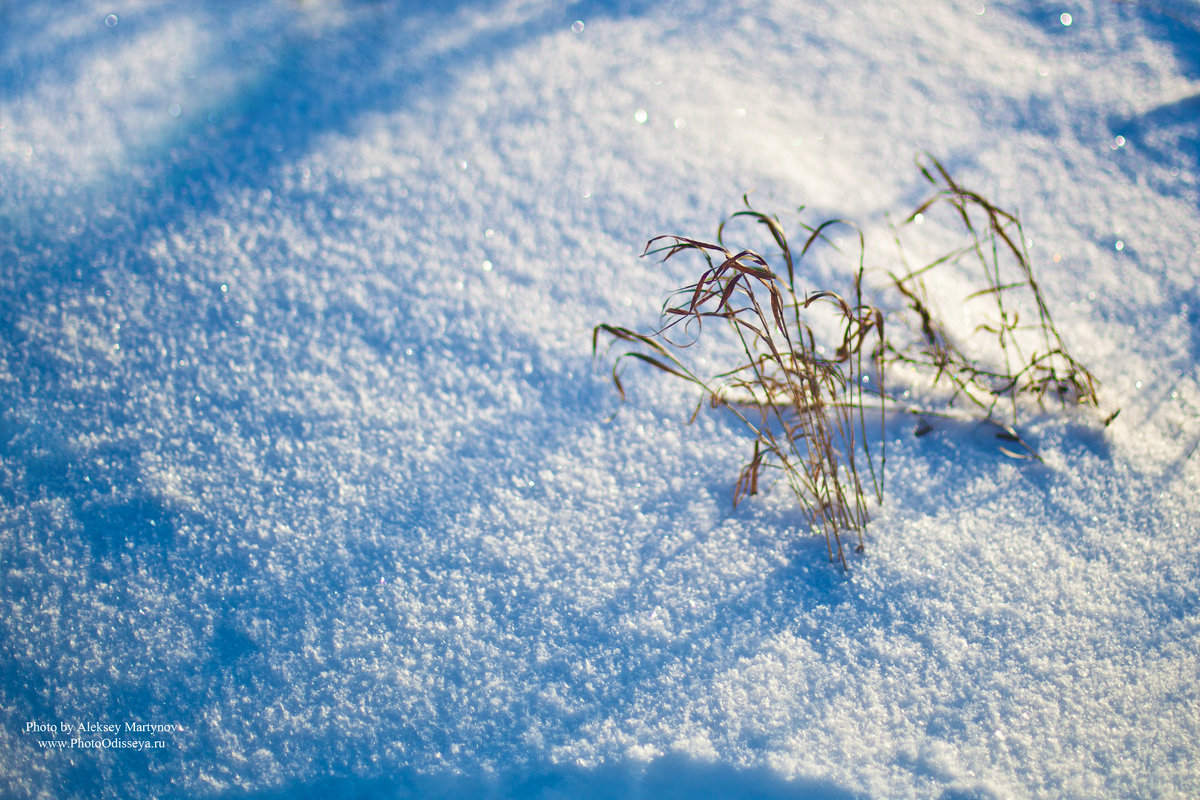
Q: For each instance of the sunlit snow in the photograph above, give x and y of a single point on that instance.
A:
(310, 487)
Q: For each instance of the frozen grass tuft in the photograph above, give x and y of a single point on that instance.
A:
(1016, 351)
(806, 363)
(798, 391)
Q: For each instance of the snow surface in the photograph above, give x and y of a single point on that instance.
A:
(303, 451)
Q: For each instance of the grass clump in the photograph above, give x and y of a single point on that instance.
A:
(808, 369)
(1019, 357)
(797, 383)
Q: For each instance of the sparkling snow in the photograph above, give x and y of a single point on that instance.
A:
(303, 453)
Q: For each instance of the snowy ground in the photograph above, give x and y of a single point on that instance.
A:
(303, 453)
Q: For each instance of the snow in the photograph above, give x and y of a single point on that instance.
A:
(304, 454)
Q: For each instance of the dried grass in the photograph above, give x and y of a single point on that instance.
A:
(804, 395)
(805, 408)
(1006, 357)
